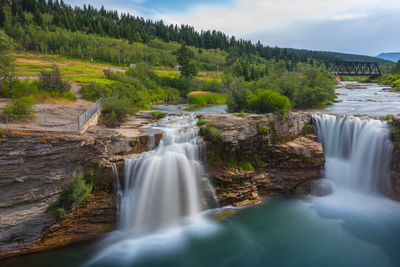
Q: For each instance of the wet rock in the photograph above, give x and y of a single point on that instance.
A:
(320, 188)
(282, 150)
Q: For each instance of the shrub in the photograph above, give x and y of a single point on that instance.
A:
(201, 98)
(211, 132)
(313, 88)
(60, 213)
(75, 193)
(262, 130)
(93, 91)
(52, 81)
(69, 96)
(132, 143)
(389, 117)
(201, 122)
(158, 114)
(268, 101)
(19, 88)
(245, 166)
(116, 109)
(22, 106)
(238, 93)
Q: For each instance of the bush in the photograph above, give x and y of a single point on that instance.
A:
(22, 106)
(201, 122)
(52, 81)
(116, 109)
(19, 88)
(75, 193)
(69, 96)
(200, 98)
(60, 213)
(266, 101)
(245, 166)
(238, 93)
(312, 89)
(158, 114)
(93, 91)
(211, 132)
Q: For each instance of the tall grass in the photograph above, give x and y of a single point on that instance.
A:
(202, 98)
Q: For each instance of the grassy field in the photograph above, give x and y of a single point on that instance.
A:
(97, 78)
(32, 64)
(28, 64)
(202, 75)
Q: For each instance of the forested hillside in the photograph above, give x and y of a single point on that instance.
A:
(250, 77)
(45, 25)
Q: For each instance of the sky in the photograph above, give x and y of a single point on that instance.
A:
(366, 27)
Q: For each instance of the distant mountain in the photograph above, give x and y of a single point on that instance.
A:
(390, 56)
(335, 56)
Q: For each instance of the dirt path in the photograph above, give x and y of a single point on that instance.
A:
(75, 88)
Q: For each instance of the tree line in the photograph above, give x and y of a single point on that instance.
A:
(52, 14)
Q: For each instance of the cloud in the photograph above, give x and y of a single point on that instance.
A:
(316, 24)
(292, 22)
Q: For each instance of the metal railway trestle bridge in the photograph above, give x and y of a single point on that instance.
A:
(370, 69)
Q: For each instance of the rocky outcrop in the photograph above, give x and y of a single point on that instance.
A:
(260, 155)
(35, 167)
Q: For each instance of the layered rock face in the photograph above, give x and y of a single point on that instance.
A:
(261, 155)
(34, 168)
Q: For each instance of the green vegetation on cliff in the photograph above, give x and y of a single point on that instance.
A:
(74, 193)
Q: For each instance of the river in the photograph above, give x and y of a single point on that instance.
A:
(355, 225)
(364, 98)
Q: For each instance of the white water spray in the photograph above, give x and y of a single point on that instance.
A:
(358, 153)
(163, 186)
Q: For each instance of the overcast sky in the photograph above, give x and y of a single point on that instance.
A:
(354, 26)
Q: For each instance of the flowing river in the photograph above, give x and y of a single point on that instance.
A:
(165, 217)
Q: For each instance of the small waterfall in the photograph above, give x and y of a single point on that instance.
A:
(357, 151)
(117, 187)
(163, 186)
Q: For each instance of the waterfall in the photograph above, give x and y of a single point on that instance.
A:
(117, 188)
(163, 186)
(357, 151)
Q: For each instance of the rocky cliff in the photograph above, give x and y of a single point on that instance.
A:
(260, 155)
(34, 169)
(247, 157)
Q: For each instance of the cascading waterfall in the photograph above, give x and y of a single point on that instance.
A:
(357, 151)
(163, 186)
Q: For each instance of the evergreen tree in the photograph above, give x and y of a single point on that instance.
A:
(185, 56)
(6, 58)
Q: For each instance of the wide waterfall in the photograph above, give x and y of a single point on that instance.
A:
(357, 151)
(164, 186)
